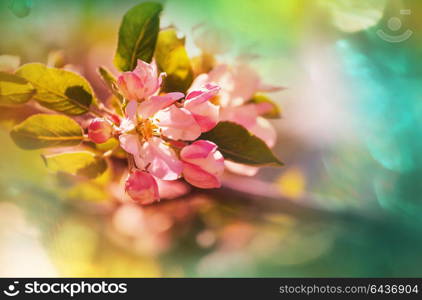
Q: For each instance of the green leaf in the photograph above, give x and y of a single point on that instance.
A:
(275, 113)
(172, 58)
(58, 89)
(14, 90)
(137, 35)
(110, 82)
(43, 131)
(81, 163)
(239, 145)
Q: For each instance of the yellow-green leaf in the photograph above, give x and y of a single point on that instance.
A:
(239, 145)
(110, 81)
(172, 58)
(14, 90)
(58, 89)
(275, 113)
(43, 131)
(137, 35)
(83, 163)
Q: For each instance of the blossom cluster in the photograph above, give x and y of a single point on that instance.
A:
(160, 132)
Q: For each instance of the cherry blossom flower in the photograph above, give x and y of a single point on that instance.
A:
(238, 85)
(153, 123)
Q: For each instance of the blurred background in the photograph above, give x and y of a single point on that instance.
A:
(347, 202)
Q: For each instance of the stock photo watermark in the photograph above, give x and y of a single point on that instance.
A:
(71, 289)
(394, 24)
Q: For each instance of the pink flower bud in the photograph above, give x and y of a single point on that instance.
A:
(141, 83)
(99, 131)
(203, 164)
(142, 187)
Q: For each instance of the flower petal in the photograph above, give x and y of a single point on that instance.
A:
(131, 109)
(130, 143)
(204, 154)
(156, 103)
(178, 124)
(142, 187)
(200, 178)
(131, 86)
(265, 131)
(241, 169)
(163, 161)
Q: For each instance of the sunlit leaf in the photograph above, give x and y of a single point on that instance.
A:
(81, 163)
(239, 145)
(137, 35)
(172, 58)
(58, 89)
(275, 113)
(43, 131)
(14, 89)
(110, 81)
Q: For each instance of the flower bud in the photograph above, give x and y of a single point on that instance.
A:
(203, 164)
(99, 131)
(142, 187)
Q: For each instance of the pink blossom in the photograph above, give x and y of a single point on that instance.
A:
(99, 130)
(203, 164)
(141, 83)
(238, 85)
(142, 187)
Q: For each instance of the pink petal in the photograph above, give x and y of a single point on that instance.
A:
(142, 187)
(131, 109)
(246, 82)
(198, 149)
(265, 131)
(241, 169)
(156, 103)
(200, 178)
(262, 87)
(202, 94)
(204, 154)
(131, 144)
(206, 114)
(244, 115)
(131, 86)
(178, 124)
(199, 81)
(163, 161)
(171, 189)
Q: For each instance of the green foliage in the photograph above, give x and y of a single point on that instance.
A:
(43, 131)
(81, 163)
(275, 113)
(14, 90)
(172, 58)
(137, 35)
(239, 145)
(58, 89)
(110, 82)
